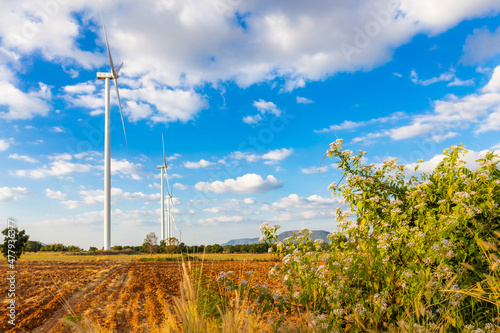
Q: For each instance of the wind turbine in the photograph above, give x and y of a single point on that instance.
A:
(113, 75)
(163, 167)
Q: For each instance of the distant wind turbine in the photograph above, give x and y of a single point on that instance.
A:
(113, 75)
(163, 167)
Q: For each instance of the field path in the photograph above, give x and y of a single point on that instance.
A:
(55, 320)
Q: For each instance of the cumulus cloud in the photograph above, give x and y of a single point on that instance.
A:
(91, 197)
(292, 41)
(57, 168)
(126, 169)
(95, 218)
(5, 144)
(481, 46)
(58, 129)
(303, 100)
(58, 195)
(271, 157)
(180, 186)
(12, 193)
(277, 154)
(444, 77)
(16, 104)
(470, 159)
(23, 158)
(249, 201)
(314, 170)
(264, 108)
(451, 115)
(251, 120)
(197, 165)
(249, 183)
(347, 125)
(216, 220)
(295, 207)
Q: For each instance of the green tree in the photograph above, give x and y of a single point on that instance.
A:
(73, 248)
(14, 243)
(93, 249)
(216, 248)
(150, 244)
(33, 246)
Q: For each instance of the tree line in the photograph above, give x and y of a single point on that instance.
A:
(150, 245)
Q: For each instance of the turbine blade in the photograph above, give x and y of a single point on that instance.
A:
(117, 69)
(121, 113)
(164, 159)
(107, 43)
(168, 186)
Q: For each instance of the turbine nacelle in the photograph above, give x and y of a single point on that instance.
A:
(104, 76)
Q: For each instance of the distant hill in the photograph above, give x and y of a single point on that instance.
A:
(242, 241)
(317, 234)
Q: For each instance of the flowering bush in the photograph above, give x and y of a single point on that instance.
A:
(403, 252)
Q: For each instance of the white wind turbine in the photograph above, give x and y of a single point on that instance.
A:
(113, 75)
(163, 167)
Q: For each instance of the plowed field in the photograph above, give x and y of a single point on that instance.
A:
(118, 296)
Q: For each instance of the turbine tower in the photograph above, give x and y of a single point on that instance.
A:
(113, 75)
(163, 167)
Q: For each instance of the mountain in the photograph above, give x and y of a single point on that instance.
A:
(242, 241)
(317, 234)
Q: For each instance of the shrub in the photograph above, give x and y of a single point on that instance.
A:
(404, 240)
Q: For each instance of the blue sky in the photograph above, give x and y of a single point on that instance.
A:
(248, 95)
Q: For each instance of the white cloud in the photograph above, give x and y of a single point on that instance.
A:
(314, 170)
(174, 157)
(58, 195)
(470, 159)
(249, 157)
(12, 193)
(482, 45)
(196, 165)
(263, 107)
(216, 220)
(95, 218)
(450, 77)
(442, 77)
(23, 158)
(296, 202)
(170, 104)
(349, 125)
(303, 100)
(277, 154)
(271, 157)
(180, 186)
(57, 168)
(126, 169)
(295, 207)
(267, 107)
(292, 41)
(213, 210)
(92, 197)
(451, 115)
(58, 129)
(5, 144)
(251, 120)
(20, 105)
(460, 83)
(249, 183)
(249, 201)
